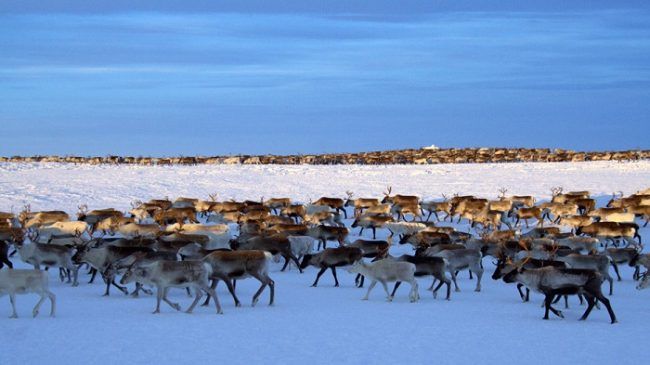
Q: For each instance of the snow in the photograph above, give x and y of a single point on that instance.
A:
(324, 324)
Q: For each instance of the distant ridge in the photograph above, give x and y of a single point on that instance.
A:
(421, 156)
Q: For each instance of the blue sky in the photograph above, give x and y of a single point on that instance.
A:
(179, 77)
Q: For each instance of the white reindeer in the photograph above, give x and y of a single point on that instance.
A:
(17, 281)
(385, 271)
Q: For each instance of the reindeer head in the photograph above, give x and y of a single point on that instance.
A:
(387, 197)
(83, 210)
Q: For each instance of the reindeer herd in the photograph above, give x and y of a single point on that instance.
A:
(194, 244)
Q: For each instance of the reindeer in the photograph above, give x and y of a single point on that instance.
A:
(276, 244)
(526, 214)
(360, 204)
(385, 271)
(575, 221)
(178, 215)
(627, 255)
(425, 266)
(399, 199)
(373, 222)
(330, 258)
(425, 238)
(374, 249)
(599, 263)
(463, 259)
(101, 259)
(327, 233)
(171, 274)
(402, 209)
(95, 216)
(38, 254)
(277, 203)
(237, 265)
(294, 211)
(434, 208)
(611, 230)
(337, 204)
(552, 281)
(17, 281)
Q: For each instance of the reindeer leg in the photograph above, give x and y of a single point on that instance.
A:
(388, 297)
(374, 233)
(212, 286)
(453, 278)
(618, 275)
(122, 288)
(159, 295)
(433, 283)
(197, 297)
(93, 273)
(286, 263)
(172, 304)
(435, 291)
(608, 305)
(320, 272)
(521, 293)
(372, 285)
(336, 280)
(397, 284)
(479, 275)
(12, 299)
(38, 304)
(52, 298)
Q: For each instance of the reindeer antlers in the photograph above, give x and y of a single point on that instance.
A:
(502, 191)
(389, 190)
(83, 208)
(213, 197)
(557, 190)
(349, 193)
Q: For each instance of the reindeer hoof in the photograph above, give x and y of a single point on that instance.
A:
(188, 311)
(177, 307)
(559, 314)
(34, 313)
(155, 312)
(13, 316)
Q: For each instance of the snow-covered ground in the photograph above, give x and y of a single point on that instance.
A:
(325, 324)
(65, 186)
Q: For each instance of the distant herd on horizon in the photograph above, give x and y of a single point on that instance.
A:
(194, 244)
(422, 156)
